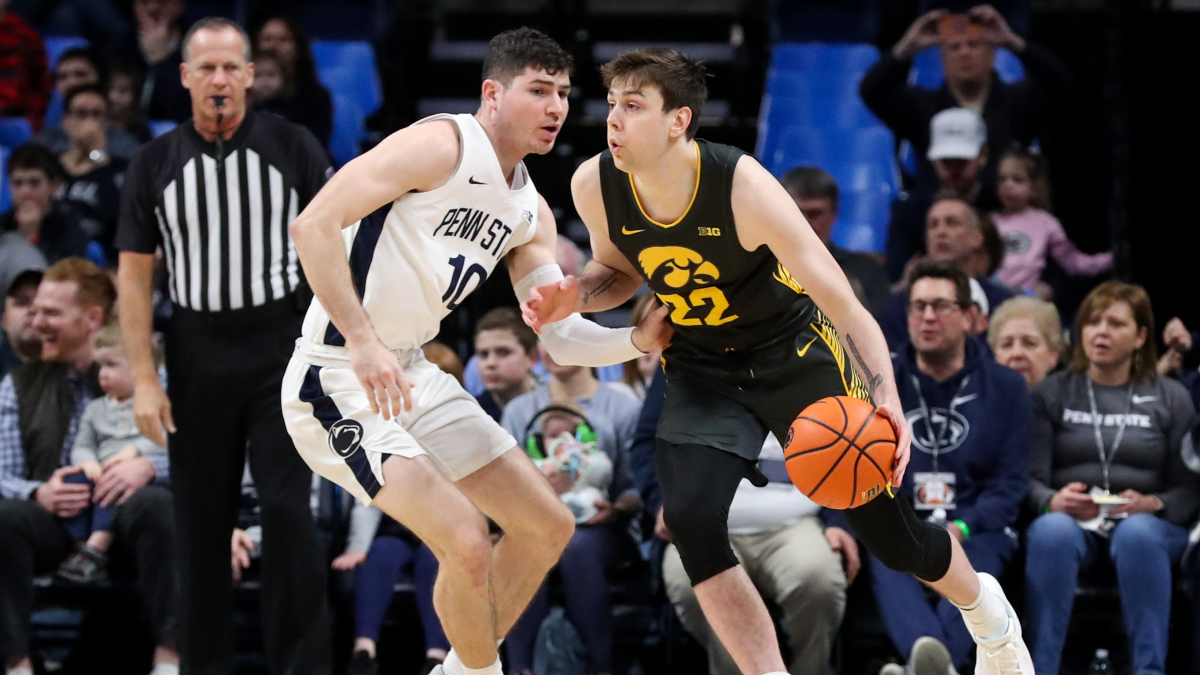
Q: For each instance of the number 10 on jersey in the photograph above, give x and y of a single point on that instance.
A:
(460, 280)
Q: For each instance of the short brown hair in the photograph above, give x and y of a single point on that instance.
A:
(810, 182)
(679, 77)
(96, 288)
(939, 270)
(509, 319)
(111, 336)
(512, 51)
(1101, 298)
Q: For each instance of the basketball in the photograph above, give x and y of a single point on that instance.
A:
(839, 452)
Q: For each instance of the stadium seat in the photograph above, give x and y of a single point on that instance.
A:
(160, 127)
(862, 220)
(14, 131)
(55, 46)
(872, 146)
(348, 129)
(815, 57)
(927, 68)
(348, 68)
(5, 197)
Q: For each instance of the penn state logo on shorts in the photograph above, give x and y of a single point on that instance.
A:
(345, 436)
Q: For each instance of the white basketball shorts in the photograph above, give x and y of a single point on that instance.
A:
(330, 420)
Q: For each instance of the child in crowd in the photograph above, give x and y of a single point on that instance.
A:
(107, 435)
(571, 452)
(1030, 232)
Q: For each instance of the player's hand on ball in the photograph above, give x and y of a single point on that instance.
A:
(654, 332)
(379, 372)
(152, 410)
(550, 303)
(895, 415)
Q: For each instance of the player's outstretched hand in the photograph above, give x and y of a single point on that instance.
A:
(379, 372)
(654, 332)
(550, 303)
(895, 415)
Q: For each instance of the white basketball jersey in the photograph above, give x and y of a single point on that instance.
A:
(414, 261)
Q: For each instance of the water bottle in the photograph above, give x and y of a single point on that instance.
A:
(1100, 663)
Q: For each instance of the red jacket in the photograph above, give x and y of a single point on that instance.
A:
(24, 80)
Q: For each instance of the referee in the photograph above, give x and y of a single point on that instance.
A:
(217, 194)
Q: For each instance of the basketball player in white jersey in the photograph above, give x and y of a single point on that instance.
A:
(391, 245)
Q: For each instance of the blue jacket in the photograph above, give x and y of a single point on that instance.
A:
(986, 441)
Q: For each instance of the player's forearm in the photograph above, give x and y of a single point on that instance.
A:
(868, 352)
(602, 287)
(135, 280)
(322, 253)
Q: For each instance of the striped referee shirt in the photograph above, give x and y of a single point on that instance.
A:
(223, 222)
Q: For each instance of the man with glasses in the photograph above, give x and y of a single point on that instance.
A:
(75, 68)
(972, 423)
(92, 180)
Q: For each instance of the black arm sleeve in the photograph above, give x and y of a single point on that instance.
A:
(641, 451)
(137, 230)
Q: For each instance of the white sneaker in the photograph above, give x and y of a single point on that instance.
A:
(1007, 654)
(892, 669)
(930, 657)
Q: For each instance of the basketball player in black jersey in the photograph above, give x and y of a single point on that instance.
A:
(765, 324)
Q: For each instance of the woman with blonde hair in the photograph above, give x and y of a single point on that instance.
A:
(1026, 335)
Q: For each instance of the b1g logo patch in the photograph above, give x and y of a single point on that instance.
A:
(345, 436)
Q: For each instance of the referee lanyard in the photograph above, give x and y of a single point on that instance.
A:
(935, 441)
(1106, 458)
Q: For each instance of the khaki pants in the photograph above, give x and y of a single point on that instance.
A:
(793, 568)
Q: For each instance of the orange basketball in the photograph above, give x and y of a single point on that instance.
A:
(839, 452)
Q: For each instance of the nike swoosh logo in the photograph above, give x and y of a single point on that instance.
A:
(1138, 400)
(625, 230)
(959, 400)
(472, 181)
(802, 352)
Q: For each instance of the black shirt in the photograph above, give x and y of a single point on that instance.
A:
(179, 194)
(60, 235)
(96, 197)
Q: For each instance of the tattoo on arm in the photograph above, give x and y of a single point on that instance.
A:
(873, 379)
(600, 288)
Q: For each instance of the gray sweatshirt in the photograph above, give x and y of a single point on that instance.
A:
(105, 429)
(1149, 458)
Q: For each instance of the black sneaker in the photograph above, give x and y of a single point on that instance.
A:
(87, 566)
(362, 663)
(429, 666)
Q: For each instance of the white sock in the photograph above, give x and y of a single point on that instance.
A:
(454, 666)
(165, 669)
(987, 617)
(18, 671)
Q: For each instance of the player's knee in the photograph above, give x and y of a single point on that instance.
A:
(926, 555)
(468, 551)
(699, 527)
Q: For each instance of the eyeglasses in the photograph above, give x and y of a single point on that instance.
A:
(941, 307)
(95, 114)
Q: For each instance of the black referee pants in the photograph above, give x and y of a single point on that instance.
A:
(33, 542)
(225, 371)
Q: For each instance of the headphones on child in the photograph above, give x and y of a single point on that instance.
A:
(535, 445)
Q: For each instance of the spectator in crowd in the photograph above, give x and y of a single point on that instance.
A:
(1029, 230)
(639, 373)
(268, 78)
(73, 302)
(959, 152)
(602, 540)
(955, 235)
(157, 49)
(816, 194)
(1014, 112)
(24, 85)
(969, 472)
(107, 436)
(1179, 359)
(93, 177)
(505, 351)
(94, 19)
(1026, 335)
(21, 269)
(300, 98)
(1110, 478)
(124, 111)
(34, 176)
(777, 535)
(76, 67)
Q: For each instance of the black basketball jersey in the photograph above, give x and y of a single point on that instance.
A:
(722, 297)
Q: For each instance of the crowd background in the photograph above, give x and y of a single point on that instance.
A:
(974, 210)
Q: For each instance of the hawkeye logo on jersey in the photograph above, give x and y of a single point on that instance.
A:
(710, 232)
(472, 224)
(699, 302)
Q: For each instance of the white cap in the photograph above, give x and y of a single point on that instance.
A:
(979, 298)
(956, 133)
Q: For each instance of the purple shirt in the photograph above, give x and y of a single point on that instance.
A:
(1029, 236)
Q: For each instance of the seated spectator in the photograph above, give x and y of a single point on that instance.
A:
(505, 351)
(1026, 335)
(959, 152)
(21, 269)
(1014, 112)
(300, 97)
(107, 435)
(77, 67)
(1030, 232)
(1179, 360)
(778, 538)
(92, 185)
(156, 50)
(124, 111)
(816, 194)
(73, 302)
(969, 469)
(602, 540)
(1110, 478)
(639, 373)
(24, 86)
(34, 176)
(955, 236)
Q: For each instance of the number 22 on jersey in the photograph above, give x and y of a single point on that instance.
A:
(709, 296)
